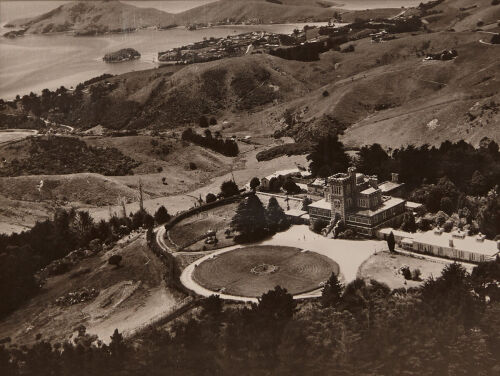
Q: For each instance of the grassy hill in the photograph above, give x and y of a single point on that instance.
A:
(90, 17)
(257, 10)
(462, 15)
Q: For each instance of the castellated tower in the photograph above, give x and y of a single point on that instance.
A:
(341, 192)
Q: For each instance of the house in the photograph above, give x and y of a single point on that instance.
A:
(264, 182)
(358, 201)
(456, 245)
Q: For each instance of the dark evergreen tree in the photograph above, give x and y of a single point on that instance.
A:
(391, 243)
(162, 215)
(229, 188)
(254, 183)
(275, 216)
(250, 219)
(328, 157)
(332, 292)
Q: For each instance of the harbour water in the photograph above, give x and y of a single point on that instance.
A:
(35, 62)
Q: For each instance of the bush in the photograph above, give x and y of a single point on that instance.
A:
(115, 260)
(415, 274)
(326, 93)
(210, 198)
(203, 122)
(319, 225)
(229, 188)
(405, 270)
(161, 215)
(213, 121)
(448, 226)
(192, 166)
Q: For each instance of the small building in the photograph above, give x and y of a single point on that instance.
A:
(264, 182)
(297, 216)
(456, 245)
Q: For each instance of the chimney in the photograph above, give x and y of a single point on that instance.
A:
(395, 177)
(451, 243)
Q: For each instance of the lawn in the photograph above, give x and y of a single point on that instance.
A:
(217, 219)
(385, 267)
(254, 270)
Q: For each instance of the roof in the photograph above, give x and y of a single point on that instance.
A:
(468, 243)
(393, 201)
(295, 212)
(403, 234)
(388, 186)
(321, 204)
(413, 205)
(318, 182)
(407, 241)
(368, 191)
(283, 173)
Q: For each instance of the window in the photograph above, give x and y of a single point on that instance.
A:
(336, 203)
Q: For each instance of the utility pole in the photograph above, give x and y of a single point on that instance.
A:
(141, 200)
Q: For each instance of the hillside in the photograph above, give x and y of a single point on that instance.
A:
(462, 15)
(257, 11)
(94, 17)
(128, 297)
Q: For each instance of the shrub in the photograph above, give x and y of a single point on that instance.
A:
(192, 166)
(115, 260)
(210, 198)
(326, 93)
(213, 121)
(318, 225)
(162, 215)
(415, 274)
(229, 188)
(448, 226)
(405, 270)
(203, 122)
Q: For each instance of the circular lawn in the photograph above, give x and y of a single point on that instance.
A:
(252, 271)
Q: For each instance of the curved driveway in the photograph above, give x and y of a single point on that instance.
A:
(349, 254)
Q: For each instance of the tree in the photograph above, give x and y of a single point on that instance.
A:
(277, 304)
(274, 184)
(275, 216)
(115, 260)
(446, 205)
(332, 292)
(148, 221)
(212, 306)
(478, 184)
(203, 122)
(373, 159)
(291, 187)
(210, 198)
(229, 188)
(306, 202)
(391, 242)
(328, 157)
(254, 183)
(250, 219)
(409, 224)
(213, 121)
(161, 215)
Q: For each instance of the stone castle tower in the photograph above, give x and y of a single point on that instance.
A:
(342, 192)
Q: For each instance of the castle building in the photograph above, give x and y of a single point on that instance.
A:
(358, 200)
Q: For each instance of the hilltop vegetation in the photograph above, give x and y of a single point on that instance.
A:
(66, 155)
